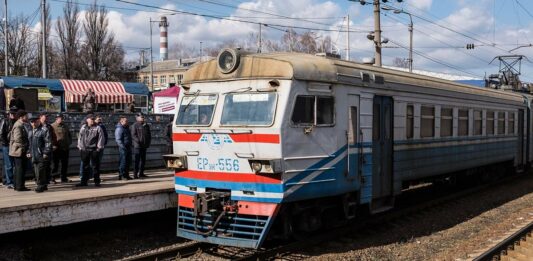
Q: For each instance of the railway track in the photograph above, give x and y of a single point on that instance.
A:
(516, 247)
(280, 251)
(172, 253)
(376, 222)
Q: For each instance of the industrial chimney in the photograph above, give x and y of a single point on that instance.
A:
(163, 38)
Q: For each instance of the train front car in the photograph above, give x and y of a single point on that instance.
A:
(227, 152)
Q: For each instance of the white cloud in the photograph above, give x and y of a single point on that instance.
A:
(421, 4)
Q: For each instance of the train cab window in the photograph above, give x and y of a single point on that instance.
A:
(463, 123)
(196, 110)
(490, 123)
(501, 123)
(478, 123)
(249, 109)
(510, 123)
(446, 122)
(427, 122)
(410, 122)
(314, 110)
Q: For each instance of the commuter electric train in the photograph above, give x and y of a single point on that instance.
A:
(268, 145)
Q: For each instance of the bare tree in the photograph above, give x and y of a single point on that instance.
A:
(400, 62)
(99, 45)
(68, 29)
(180, 50)
(21, 49)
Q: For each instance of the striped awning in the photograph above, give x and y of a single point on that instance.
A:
(106, 92)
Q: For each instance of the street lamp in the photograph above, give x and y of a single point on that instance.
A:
(398, 11)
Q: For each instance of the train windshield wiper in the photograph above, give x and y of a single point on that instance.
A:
(240, 90)
(196, 94)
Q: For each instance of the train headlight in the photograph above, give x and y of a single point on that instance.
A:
(228, 60)
(176, 161)
(267, 166)
(257, 166)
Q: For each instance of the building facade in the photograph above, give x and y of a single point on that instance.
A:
(167, 73)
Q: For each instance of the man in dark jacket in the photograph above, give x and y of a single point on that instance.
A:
(61, 154)
(43, 118)
(5, 127)
(141, 136)
(123, 139)
(19, 149)
(40, 151)
(90, 143)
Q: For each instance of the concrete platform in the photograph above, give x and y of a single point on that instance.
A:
(65, 204)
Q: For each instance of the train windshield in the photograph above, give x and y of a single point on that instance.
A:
(249, 109)
(196, 110)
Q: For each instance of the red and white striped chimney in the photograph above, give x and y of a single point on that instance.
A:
(163, 38)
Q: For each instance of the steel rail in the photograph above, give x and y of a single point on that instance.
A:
(179, 251)
(503, 246)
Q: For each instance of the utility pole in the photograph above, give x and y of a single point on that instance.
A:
(6, 63)
(410, 43)
(348, 37)
(260, 39)
(43, 32)
(151, 59)
(377, 33)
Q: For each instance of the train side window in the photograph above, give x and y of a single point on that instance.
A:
(478, 123)
(410, 122)
(446, 122)
(510, 123)
(325, 110)
(427, 122)
(490, 123)
(501, 122)
(303, 113)
(314, 110)
(463, 123)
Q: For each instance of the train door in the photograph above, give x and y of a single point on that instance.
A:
(520, 138)
(382, 142)
(354, 138)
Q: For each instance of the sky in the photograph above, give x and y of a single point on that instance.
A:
(442, 28)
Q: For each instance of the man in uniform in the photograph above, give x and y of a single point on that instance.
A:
(61, 154)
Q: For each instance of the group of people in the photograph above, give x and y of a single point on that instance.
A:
(46, 146)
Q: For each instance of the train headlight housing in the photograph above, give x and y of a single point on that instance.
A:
(266, 166)
(228, 60)
(178, 162)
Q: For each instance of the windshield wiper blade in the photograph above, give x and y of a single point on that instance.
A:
(240, 90)
(192, 100)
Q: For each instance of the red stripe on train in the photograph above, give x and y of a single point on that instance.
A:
(245, 207)
(257, 138)
(229, 176)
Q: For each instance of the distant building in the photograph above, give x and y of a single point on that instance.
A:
(167, 72)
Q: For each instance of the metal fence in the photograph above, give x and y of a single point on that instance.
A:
(109, 163)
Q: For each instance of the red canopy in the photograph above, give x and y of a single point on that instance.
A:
(170, 92)
(106, 92)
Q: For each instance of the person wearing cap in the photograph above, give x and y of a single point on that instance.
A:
(90, 143)
(17, 102)
(19, 149)
(123, 139)
(43, 118)
(141, 136)
(61, 153)
(40, 150)
(5, 128)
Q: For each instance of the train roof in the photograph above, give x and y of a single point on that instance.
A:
(300, 66)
